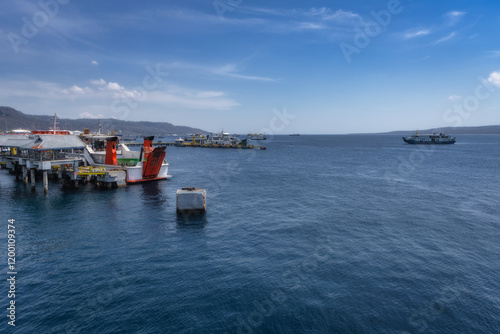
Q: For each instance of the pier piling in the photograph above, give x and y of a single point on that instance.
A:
(25, 175)
(16, 171)
(45, 182)
(32, 176)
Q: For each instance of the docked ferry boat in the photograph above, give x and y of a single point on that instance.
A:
(222, 139)
(430, 139)
(96, 147)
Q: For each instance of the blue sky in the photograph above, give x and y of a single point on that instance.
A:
(250, 66)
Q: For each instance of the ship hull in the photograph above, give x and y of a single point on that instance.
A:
(427, 142)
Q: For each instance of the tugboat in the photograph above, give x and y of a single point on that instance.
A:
(431, 139)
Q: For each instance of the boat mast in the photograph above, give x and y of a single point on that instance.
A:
(55, 123)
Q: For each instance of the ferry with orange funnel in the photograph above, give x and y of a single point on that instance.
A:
(151, 165)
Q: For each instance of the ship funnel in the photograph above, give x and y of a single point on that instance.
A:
(111, 152)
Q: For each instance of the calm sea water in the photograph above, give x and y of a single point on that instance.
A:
(317, 234)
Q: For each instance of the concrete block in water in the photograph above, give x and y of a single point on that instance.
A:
(191, 200)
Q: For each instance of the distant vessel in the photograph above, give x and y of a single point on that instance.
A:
(256, 136)
(294, 134)
(222, 139)
(18, 132)
(179, 141)
(52, 131)
(430, 139)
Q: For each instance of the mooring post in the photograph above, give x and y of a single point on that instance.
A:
(32, 176)
(45, 182)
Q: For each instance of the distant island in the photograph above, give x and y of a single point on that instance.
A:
(11, 118)
(462, 130)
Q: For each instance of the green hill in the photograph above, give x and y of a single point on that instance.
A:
(11, 118)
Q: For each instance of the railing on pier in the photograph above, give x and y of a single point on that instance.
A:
(92, 170)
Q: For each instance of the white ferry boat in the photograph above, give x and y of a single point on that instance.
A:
(223, 139)
(429, 139)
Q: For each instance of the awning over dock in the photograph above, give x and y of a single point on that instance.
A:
(42, 142)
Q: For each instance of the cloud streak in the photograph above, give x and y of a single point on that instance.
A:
(101, 93)
(229, 70)
(445, 38)
(417, 33)
(453, 17)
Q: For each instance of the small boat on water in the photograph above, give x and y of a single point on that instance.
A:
(179, 141)
(256, 136)
(430, 139)
(294, 134)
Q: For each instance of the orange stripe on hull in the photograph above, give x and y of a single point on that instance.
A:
(147, 180)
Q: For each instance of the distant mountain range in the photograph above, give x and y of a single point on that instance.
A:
(11, 118)
(463, 130)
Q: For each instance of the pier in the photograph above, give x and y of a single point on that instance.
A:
(25, 156)
(70, 160)
(60, 157)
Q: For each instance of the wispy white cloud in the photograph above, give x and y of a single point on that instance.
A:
(77, 90)
(335, 22)
(103, 93)
(454, 98)
(446, 38)
(28, 88)
(453, 17)
(100, 82)
(293, 15)
(416, 33)
(494, 54)
(94, 62)
(270, 20)
(338, 16)
(311, 26)
(177, 96)
(228, 70)
(90, 115)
